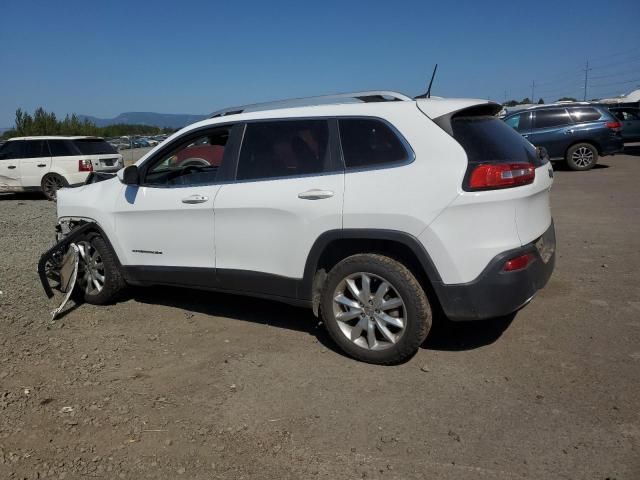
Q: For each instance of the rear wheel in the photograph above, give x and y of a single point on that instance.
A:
(51, 183)
(582, 156)
(99, 278)
(375, 309)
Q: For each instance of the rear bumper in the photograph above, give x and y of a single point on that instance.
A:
(497, 293)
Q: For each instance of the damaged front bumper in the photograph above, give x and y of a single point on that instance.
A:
(52, 260)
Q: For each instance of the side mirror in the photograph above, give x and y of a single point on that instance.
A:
(129, 175)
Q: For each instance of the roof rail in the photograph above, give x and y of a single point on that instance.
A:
(365, 97)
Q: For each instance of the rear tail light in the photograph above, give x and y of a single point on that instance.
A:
(615, 126)
(500, 175)
(85, 166)
(518, 263)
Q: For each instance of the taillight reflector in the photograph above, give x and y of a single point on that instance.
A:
(85, 166)
(518, 263)
(614, 125)
(501, 175)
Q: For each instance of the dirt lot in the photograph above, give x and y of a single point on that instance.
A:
(171, 383)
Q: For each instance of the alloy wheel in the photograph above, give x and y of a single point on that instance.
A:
(51, 185)
(91, 274)
(369, 311)
(582, 157)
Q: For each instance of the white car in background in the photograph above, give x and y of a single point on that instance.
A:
(374, 209)
(48, 163)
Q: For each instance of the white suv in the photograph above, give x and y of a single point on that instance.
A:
(374, 209)
(50, 163)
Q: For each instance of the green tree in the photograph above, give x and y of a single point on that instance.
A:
(541, 102)
(525, 100)
(567, 99)
(510, 103)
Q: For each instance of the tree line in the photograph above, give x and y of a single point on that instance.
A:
(46, 123)
(527, 100)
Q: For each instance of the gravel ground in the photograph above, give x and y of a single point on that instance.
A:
(171, 383)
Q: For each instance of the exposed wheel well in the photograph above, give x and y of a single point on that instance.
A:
(341, 248)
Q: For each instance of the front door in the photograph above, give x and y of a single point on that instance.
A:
(553, 129)
(167, 221)
(10, 154)
(35, 163)
(288, 191)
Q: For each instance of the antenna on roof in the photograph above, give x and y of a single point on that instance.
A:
(427, 94)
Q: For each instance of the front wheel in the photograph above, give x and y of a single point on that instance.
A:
(582, 156)
(99, 278)
(375, 309)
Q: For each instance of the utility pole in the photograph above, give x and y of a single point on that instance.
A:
(533, 89)
(586, 79)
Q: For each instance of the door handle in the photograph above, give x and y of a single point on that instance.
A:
(525, 136)
(42, 164)
(315, 194)
(195, 199)
(11, 167)
(568, 132)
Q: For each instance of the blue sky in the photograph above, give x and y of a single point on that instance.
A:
(104, 58)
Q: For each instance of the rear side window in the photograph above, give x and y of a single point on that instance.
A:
(369, 142)
(93, 146)
(489, 139)
(584, 114)
(11, 150)
(554, 117)
(62, 148)
(284, 149)
(36, 149)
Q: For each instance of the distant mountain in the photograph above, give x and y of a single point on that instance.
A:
(169, 120)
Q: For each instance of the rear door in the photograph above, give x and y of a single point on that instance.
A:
(288, 191)
(35, 163)
(552, 129)
(10, 154)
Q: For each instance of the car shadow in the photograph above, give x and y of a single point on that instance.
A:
(633, 150)
(22, 196)
(563, 167)
(445, 335)
(450, 336)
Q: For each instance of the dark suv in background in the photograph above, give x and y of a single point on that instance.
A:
(576, 133)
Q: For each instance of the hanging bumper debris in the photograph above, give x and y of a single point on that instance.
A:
(58, 266)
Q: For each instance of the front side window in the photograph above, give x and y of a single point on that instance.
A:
(11, 150)
(369, 142)
(555, 117)
(62, 148)
(283, 149)
(630, 114)
(195, 161)
(36, 149)
(584, 114)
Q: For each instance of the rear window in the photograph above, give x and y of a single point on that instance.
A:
(489, 139)
(369, 142)
(584, 114)
(93, 146)
(555, 117)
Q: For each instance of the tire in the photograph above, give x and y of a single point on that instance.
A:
(581, 156)
(104, 269)
(406, 326)
(51, 183)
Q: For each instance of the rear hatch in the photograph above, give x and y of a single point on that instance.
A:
(103, 156)
(502, 167)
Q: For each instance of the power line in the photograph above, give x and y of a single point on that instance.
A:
(616, 83)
